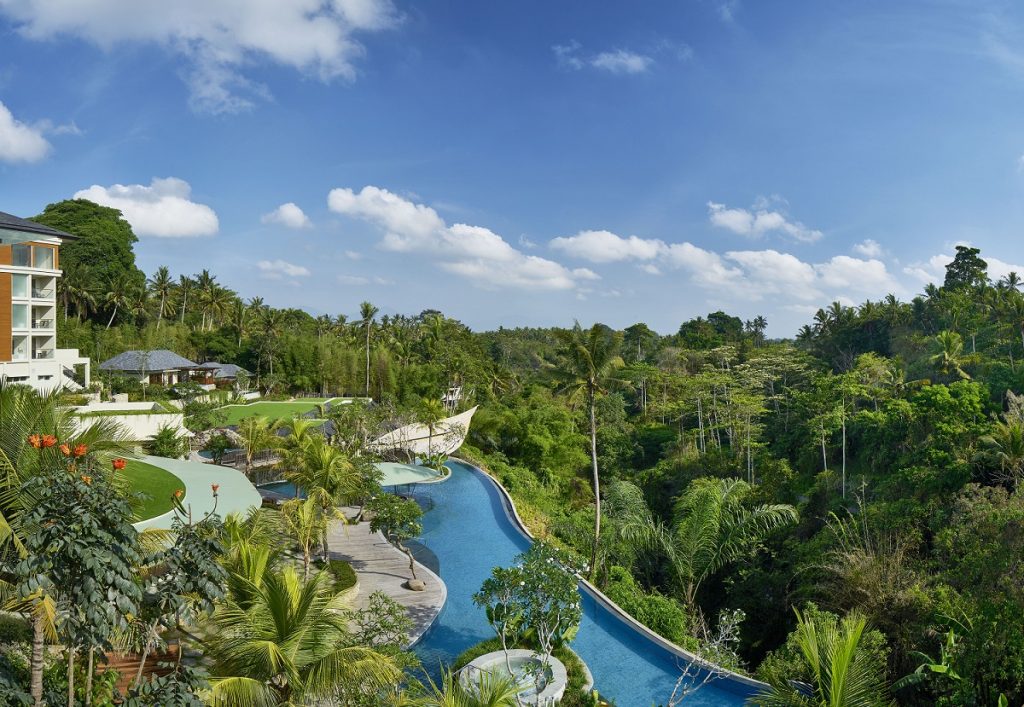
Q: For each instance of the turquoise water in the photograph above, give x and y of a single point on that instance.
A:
(468, 529)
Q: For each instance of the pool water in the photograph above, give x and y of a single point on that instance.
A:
(469, 531)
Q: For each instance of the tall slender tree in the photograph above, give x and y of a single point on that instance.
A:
(161, 285)
(367, 313)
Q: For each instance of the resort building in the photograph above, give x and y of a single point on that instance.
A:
(222, 375)
(29, 270)
(156, 367)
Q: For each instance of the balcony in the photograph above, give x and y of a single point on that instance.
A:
(42, 324)
(39, 354)
(40, 293)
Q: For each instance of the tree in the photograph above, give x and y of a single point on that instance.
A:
(842, 673)
(257, 434)
(489, 690)
(367, 313)
(587, 361)
(949, 358)
(713, 528)
(966, 270)
(431, 413)
(118, 296)
(1006, 443)
(104, 242)
(291, 646)
(306, 524)
(161, 285)
(328, 476)
(399, 520)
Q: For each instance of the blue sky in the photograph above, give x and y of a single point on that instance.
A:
(531, 162)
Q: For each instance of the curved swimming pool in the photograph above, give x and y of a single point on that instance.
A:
(468, 528)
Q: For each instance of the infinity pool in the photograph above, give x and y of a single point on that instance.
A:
(468, 529)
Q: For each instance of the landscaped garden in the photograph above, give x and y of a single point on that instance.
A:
(156, 487)
(271, 409)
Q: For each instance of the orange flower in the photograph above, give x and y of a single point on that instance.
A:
(119, 464)
(65, 450)
(215, 487)
(81, 450)
(35, 440)
(87, 479)
(178, 493)
(49, 440)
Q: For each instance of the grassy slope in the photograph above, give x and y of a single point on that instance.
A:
(156, 484)
(272, 410)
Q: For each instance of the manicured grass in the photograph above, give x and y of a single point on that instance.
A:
(157, 485)
(273, 410)
(344, 575)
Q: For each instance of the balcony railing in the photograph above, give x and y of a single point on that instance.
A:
(40, 293)
(42, 324)
(42, 353)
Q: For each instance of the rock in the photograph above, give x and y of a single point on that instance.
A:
(416, 585)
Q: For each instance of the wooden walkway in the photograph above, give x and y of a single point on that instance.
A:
(383, 567)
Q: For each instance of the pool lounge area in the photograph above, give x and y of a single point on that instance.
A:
(468, 527)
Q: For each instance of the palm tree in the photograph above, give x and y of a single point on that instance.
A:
(842, 672)
(161, 285)
(305, 522)
(713, 528)
(950, 357)
(328, 476)
(185, 286)
(588, 359)
(490, 690)
(74, 288)
(291, 646)
(432, 411)
(367, 312)
(1006, 442)
(257, 434)
(118, 296)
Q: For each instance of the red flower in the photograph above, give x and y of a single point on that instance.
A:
(49, 440)
(215, 487)
(65, 450)
(178, 493)
(119, 464)
(81, 450)
(35, 440)
(87, 479)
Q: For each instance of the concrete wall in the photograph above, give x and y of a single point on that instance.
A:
(141, 428)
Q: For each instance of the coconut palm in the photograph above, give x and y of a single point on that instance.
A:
(258, 434)
(161, 285)
(329, 478)
(489, 689)
(186, 286)
(843, 674)
(117, 297)
(713, 527)
(367, 313)
(291, 646)
(431, 413)
(74, 288)
(1006, 443)
(588, 360)
(305, 522)
(950, 358)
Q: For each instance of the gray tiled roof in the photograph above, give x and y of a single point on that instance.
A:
(155, 360)
(223, 370)
(14, 223)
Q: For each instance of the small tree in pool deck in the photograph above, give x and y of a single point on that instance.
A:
(399, 520)
(501, 598)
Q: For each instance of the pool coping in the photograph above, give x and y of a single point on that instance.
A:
(614, 608)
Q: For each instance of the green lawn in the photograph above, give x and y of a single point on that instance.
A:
(273, 410)
(156, 484)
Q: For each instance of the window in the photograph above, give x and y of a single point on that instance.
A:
(21, 255)
(19, 285)
(42, 257)
(19, 316)
(19, 348)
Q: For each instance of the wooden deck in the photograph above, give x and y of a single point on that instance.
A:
(382, 567)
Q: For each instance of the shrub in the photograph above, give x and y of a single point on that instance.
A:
(661, 614)
(14, 629)
(344, 576)
(167, 443)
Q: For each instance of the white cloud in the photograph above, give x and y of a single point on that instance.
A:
(473, 252)
(772, 272)
(854, 274)
(288, 215)
(868, 248)
(20, 142)
(219, 37)
(277, 269)
(650, 269)
(705, 267)
(758, 221)
(353, 280)
(727, 9)
(621, 61)
(163, 209)
(353, 255)
(614, 61)
(606, 247)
